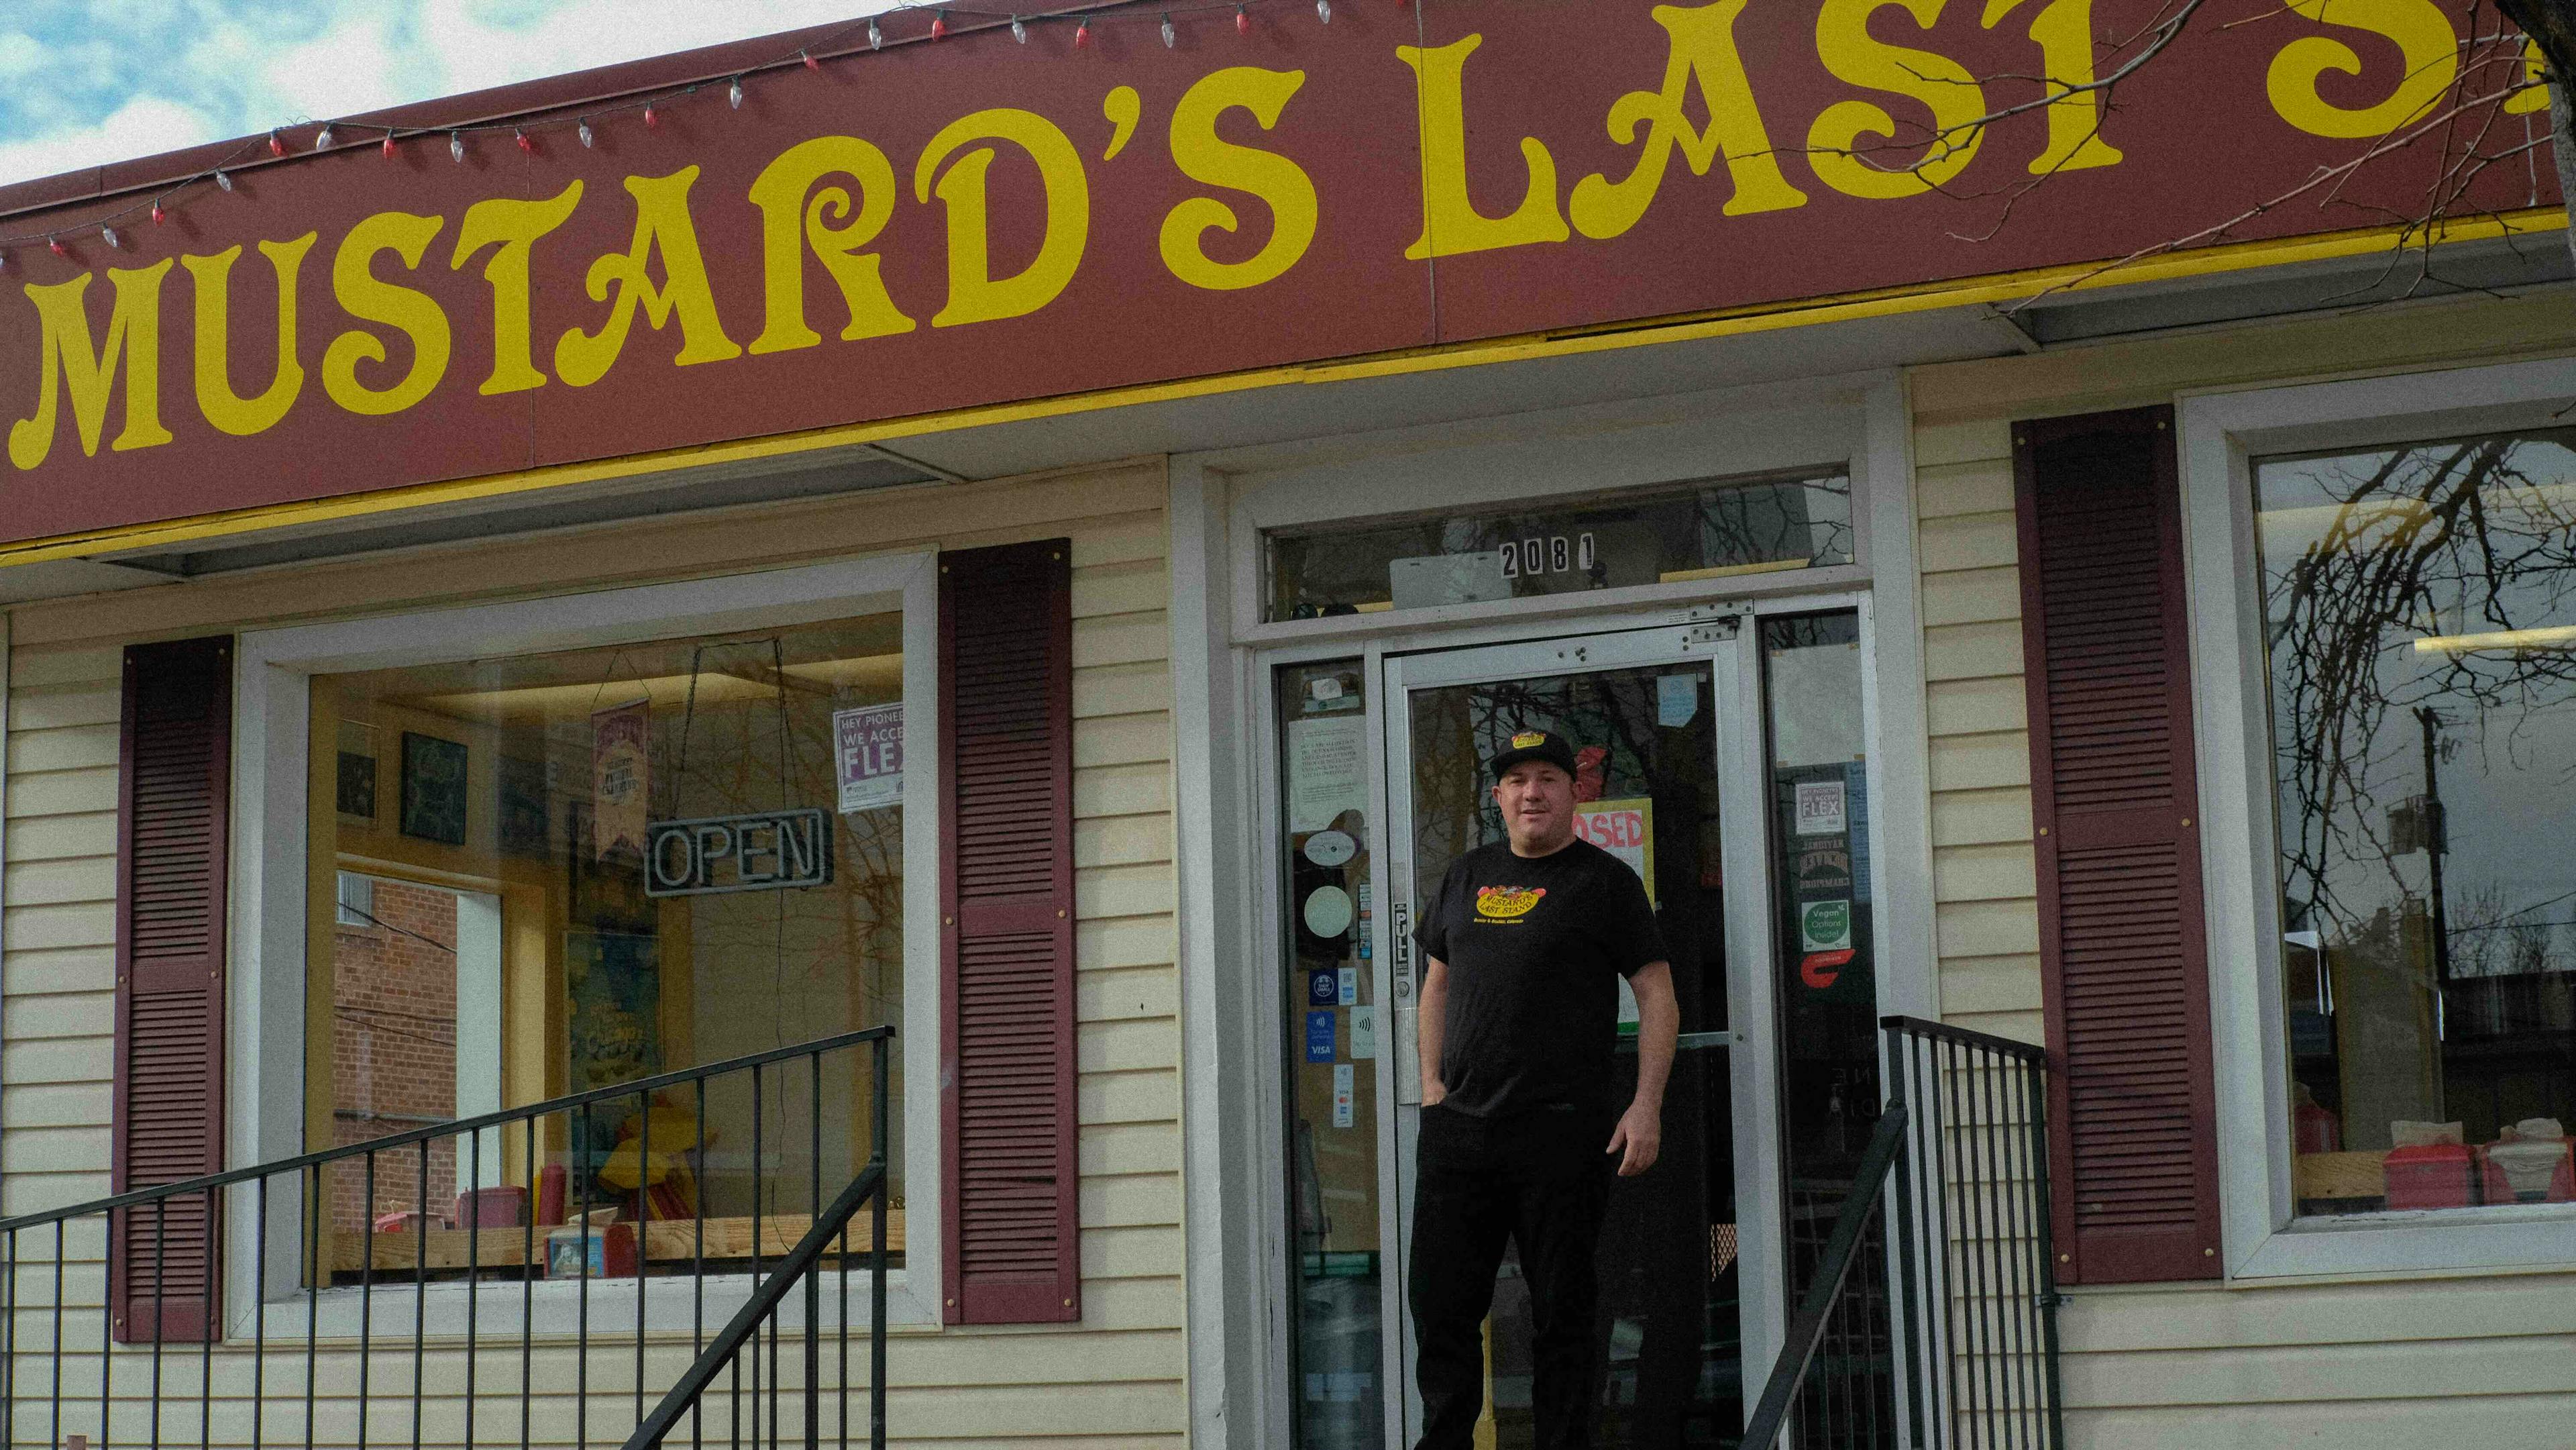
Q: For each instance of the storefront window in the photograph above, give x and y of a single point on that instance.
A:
(564, 871)
(1826, 974)
(1702, 530)
(2420, 625)
(1332, 1010)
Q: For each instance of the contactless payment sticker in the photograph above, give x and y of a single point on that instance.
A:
(1345, 1084)
(1319, 1036)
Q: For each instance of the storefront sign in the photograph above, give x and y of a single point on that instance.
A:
(763, 851)
(938, 226)
(867, 749)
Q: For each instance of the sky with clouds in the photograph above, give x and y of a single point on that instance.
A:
(89, 81)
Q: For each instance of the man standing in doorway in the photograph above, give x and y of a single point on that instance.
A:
(1522, 949)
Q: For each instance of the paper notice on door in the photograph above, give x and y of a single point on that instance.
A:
(1326, 771)
(1625, 829)
(1820, 808)
(1676, 699)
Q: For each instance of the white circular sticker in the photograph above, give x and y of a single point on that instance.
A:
(1331, 848)
(1328, 911)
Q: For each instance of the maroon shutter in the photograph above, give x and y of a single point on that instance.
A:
(2113, 795)
(174, 779)
(1006, 943)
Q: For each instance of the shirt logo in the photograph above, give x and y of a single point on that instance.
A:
(1529, 739)
(1503, 903)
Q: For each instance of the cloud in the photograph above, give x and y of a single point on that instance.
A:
(128, 78)
(140, 127)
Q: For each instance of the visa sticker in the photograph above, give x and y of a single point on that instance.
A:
(1319, 1036)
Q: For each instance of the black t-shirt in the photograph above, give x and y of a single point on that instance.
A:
(1535, 946)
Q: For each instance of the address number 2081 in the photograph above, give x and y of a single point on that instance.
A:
(1547, 554)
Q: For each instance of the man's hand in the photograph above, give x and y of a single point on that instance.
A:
(1432, 1093)
(1638, 1138)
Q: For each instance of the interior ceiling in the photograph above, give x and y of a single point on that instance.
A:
(1287, 413)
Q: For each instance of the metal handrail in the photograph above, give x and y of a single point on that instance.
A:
(174, 1229)
(1877, 1163)
(448, 1128)
(1950, 1216)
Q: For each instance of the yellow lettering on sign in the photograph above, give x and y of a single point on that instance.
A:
(974, 293)
(1847, 132)
(2064, 30)
(1206, 158)
(2423, 35)
(1451, 225)
(363, 296)
(223, 407)
(511, 229)
(87, 373)
(789, 223)
(1702, 47)
(662, 225)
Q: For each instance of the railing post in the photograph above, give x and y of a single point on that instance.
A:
(2035, 1079)
(1900, 1061)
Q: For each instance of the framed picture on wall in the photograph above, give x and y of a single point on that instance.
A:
(356, 790)
(523, 816)
(433, 789)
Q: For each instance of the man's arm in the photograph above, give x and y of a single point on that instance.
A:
(1430, 1016)
(1640, 1134)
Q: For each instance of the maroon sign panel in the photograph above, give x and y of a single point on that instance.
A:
(976, 219)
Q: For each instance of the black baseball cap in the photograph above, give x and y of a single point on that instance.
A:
(1544, 745)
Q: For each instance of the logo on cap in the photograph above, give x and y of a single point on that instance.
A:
(1529, 739)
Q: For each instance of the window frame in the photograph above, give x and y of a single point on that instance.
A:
(264, 1107)
(2222, 433)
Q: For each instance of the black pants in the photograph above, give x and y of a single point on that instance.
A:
(1538, 1180)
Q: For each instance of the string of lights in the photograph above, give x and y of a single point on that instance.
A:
(860, 38)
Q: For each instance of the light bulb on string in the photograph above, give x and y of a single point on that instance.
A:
(939, 26)
(1171, 37)
(389, 145)
(1242, 21)
(223, 182)
(1081, 34)
(456, 146)
(322, 138)
(876, 37)
(1324, 11)
(587, 138)
(652, 121)
(526, 145)
(276, 144)
(1019, 32)
(157, 213)
(733, 93)
(811, 63)
(55, 246)
(109, 236)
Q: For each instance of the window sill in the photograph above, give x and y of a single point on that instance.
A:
(554, 1311)
(2505, 1238)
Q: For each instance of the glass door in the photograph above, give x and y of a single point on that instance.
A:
(1669, 779)
(1725, 761)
